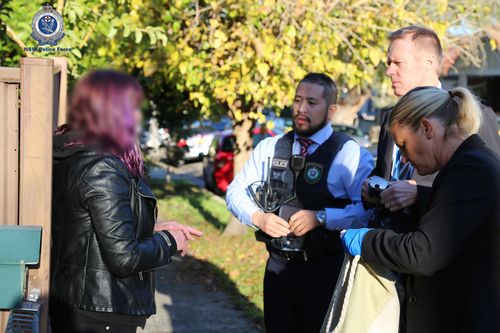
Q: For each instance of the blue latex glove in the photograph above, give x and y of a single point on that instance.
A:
(352, 239)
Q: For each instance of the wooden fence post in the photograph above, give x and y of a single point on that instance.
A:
(35, 159)
(9, 153)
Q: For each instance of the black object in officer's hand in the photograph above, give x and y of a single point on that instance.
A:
(377, 185)
(271, 199)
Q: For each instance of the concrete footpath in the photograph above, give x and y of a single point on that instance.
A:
(186, 303)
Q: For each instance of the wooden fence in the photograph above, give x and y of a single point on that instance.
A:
(32, 104)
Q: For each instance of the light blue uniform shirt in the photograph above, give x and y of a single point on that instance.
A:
(349, 169)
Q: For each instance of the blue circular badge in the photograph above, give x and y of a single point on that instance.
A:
(47, 26)
(313, 173)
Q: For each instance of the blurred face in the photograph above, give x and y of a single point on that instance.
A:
(117, 117)
(407, 67)
(310, 109)
(126, 117)
(418, 147)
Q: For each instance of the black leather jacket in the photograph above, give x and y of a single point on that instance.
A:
(104, 249)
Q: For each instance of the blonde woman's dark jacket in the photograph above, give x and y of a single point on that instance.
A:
(452, 257)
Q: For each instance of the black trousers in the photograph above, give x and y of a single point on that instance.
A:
(86, 327)
(297, 294)
(68, 320)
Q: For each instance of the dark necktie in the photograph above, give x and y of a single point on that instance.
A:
(304, 145)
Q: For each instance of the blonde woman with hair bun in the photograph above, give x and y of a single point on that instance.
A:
(449, 261)
(444, 118)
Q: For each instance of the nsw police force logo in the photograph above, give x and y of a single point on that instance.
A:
(47, 26)
(313, 172)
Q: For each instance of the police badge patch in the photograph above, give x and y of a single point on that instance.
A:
(313, 172)
(47, 26)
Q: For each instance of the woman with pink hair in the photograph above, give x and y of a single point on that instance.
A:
(106, 242)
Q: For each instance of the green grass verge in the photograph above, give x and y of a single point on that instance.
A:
(235, 264)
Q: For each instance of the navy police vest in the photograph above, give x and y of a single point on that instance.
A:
(311, 187)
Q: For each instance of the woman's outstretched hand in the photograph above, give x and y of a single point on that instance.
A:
(189, 232)
(181, 233)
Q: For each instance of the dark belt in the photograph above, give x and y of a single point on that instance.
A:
(291, 256)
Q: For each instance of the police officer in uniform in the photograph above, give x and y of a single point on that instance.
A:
(299, 190)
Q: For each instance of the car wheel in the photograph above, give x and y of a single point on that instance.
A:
(217, 190)
(208, 185)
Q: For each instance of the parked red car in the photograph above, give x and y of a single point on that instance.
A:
(218, 165)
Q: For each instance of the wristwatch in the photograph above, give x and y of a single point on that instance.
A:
(321, 217)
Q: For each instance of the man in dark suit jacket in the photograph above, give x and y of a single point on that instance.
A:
(414, 60)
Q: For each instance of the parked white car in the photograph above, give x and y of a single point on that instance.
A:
(197, 144)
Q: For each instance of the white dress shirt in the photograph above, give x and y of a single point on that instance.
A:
(349, 169)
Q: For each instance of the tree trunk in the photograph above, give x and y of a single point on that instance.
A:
(347, 112)
(242, 130)
(234, 228)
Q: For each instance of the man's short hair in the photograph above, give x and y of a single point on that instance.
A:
(424, 38)
(329, 86)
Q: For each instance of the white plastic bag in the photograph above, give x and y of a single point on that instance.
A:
(365, 300)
